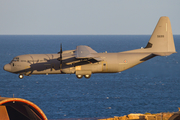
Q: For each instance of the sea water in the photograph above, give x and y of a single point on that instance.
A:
(153, 86)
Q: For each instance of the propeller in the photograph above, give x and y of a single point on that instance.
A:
(60, 59)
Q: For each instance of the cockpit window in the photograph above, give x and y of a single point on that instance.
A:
(16, 59)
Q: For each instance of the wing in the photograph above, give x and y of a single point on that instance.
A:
(83, 52)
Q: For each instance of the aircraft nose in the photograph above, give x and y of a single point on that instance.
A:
(7, 67)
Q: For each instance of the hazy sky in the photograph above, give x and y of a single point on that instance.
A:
(86, 17)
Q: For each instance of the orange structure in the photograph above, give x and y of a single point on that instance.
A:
(21, 109)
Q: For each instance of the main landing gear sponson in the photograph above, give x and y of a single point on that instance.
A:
(80, 76)
(21, 76)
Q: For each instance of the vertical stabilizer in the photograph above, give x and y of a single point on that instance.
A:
(161, 41)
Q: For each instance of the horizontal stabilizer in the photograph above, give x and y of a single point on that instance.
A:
(163, 53)
(148, 57)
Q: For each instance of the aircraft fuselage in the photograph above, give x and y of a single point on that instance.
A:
(84, 61)
(49, 64)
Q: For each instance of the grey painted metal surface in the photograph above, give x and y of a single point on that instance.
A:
(83, 61)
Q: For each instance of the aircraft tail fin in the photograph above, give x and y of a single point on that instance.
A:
(162, 42)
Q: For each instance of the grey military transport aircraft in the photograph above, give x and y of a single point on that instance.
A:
(83, 61)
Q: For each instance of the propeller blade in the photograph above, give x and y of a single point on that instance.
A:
(61, 57)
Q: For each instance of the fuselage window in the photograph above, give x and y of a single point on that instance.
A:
(31, 60)
(23, 60)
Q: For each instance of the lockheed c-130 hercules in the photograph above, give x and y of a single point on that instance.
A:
(84, 61)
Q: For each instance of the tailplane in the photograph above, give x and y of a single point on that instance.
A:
(162, 42)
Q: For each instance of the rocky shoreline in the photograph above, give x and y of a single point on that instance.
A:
(148, 116)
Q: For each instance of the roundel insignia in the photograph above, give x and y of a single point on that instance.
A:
(125, 61)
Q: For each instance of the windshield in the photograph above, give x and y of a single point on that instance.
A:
(16, 59)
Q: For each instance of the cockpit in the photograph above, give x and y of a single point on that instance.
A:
(16, 59)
